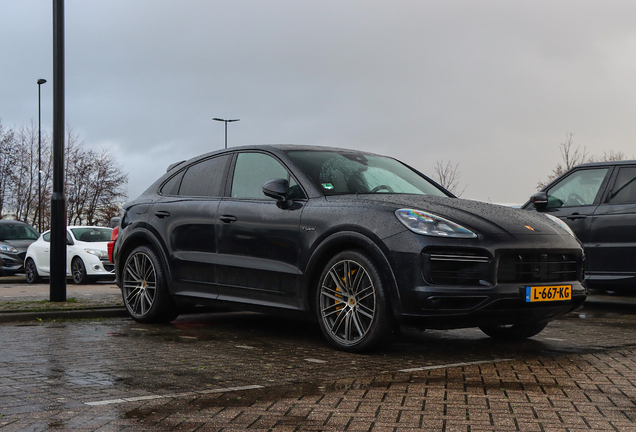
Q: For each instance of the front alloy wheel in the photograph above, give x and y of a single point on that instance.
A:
(351, 303)
(78, 271)
(31, 272)
(144, 288)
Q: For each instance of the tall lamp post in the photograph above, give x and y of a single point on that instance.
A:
(40, 82)
(226, 122)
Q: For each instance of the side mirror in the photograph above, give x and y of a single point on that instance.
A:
(540, 200)
(277, 189)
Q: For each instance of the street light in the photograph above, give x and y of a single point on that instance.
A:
(226, 122)
(40, 82)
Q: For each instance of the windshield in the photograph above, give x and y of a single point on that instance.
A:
(92, 234)
(341, 172)
(17, 231)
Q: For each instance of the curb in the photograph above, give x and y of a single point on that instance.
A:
(106, 312)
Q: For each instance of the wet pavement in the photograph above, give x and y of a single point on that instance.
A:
(247, 371)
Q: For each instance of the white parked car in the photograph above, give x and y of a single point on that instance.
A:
(86, 255)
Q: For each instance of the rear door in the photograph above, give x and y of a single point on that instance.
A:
(613, 234)
(186, 221)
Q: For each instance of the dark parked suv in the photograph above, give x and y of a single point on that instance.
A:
(360, 241)
(598, 202)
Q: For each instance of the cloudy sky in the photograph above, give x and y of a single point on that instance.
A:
(491, 85)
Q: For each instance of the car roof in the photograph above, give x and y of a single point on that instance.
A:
(11, 221)
(606, 163)
(274, 148)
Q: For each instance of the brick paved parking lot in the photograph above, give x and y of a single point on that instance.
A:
(245, 371)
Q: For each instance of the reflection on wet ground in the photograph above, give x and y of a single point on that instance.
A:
(63, 365)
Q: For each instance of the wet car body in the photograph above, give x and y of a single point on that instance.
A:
(274, 253)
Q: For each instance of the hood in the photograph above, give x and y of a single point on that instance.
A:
(20, 245)
(475, 215)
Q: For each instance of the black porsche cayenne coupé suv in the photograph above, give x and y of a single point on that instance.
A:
(361, 241)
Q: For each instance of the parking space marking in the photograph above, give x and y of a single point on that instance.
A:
(312, 360)
(172, 396)
(424, 368)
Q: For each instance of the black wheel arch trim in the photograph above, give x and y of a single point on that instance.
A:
(342, 240)
(147, 236)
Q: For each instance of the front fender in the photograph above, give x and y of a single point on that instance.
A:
(343, 240)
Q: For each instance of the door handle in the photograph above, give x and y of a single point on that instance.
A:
(228, 218)
(161, 214)
(576, 216)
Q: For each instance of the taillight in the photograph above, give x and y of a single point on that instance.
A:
(113, 237)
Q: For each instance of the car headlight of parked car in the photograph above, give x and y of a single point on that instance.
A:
(101, 254)
(426, 223)
(5, 248)
(560, 223)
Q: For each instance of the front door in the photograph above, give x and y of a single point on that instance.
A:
(575, 200)
(258, 240)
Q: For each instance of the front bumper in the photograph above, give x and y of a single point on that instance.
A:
(456, 307)
(457, 284)
(12, 263)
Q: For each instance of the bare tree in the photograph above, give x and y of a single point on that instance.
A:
(7, 161)
(448, 176)
(95, 185)
(570, 157)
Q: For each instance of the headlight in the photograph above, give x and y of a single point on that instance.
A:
(560, 223)
(426, 223)
(101, 254)
(5, 248)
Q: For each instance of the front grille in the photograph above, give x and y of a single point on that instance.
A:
(536, 267)
(457, 267)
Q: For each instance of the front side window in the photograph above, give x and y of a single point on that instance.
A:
(624, 189)
(340, 172)
(253, 170)
(578, 189)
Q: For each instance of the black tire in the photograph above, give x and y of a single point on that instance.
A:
(514, 332)
(145, 288)
(351, 303)
(31, 272)
(78, 271)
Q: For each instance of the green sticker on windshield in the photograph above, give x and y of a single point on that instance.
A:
(328, 186)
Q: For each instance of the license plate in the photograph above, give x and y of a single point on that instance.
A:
(548, 293)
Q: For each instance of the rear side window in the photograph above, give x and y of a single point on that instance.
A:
(624, 189)
(205, 178)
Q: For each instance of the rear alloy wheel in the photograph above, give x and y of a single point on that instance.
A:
(514, 332)
(78, 270)
(351, 303)
(31, 271)
(145, 290)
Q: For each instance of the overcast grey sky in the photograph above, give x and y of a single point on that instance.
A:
(491, 85)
